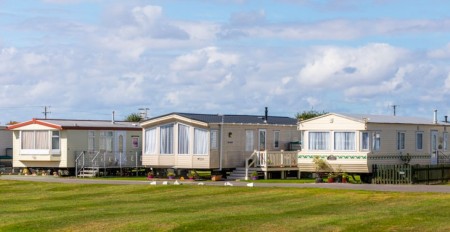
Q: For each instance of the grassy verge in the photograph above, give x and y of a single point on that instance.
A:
(34, 206)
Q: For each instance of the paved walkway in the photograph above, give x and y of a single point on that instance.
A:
(369, 187)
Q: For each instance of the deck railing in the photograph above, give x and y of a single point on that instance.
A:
(107, 159)
(271, 159)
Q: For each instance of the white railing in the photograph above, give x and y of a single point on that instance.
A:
(105, 159)
(79, 162)
(271, 159)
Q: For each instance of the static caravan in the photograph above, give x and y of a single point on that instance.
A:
(5, 147)
(211, 141)
(57, 143)
(353, 142)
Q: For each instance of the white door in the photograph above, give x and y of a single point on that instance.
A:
(120, 146)
(261, 140)
(434, 147)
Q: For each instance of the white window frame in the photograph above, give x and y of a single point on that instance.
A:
(417, 142)
(365, 143)
(180, 152)
(376, 140)
(151, 146)
(348, 145)
(276, 139)
(55, 135)
(201, 141)
(401, 140)
(170, 146)
(324, 146)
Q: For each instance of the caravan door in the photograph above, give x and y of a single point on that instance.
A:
(120, 150)
(434, 147)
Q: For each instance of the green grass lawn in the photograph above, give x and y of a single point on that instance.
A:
(34, 206)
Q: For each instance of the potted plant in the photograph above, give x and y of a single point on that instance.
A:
(254, 175)
(344, 177)
(150, 175)
(331, 177)
(321, 166)
(191, 175)
(171, 175)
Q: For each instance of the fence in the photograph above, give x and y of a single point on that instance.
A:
(410, 174)
(105, 160)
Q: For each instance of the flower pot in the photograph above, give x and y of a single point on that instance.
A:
(330, 180)
(171, 177)
(344, 179)
(254, 177)
(216, 178)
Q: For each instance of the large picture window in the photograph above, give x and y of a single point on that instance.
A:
(200, 141)
(344, 141)
(35, 140)
(183, 139)
(318, 140)
(166, 139)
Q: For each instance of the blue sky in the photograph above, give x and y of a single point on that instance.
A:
(88, 58)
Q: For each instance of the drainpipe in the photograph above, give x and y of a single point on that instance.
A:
(112, 119)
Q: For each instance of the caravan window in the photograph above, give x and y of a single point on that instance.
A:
(318, 140)
(166, 139)
(344, 141)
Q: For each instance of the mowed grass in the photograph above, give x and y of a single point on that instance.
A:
(34, 206)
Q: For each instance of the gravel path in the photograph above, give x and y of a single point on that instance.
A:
(369, 187)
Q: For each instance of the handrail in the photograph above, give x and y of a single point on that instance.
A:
(76, 163)
(95, 157)
(247, 164)
(445, 156)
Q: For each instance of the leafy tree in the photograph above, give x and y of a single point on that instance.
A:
(133, 117)
(12, 122)
(309, 114)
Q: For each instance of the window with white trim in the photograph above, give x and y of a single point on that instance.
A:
(38, 140)
(200, 141)
(276, 139)
(150, 141)
(318, 141)
(166, 139)
(249, 140)
(183, 139)
(419, 140)
(55, 140)
(365, 141)
(401, 140)
(344, 141)
(376, 141)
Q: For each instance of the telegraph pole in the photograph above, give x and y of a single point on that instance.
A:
(394, 107)
(46, 111)
(143, 113)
